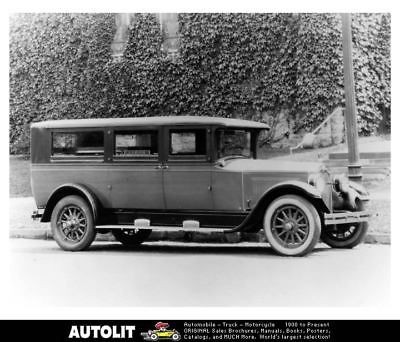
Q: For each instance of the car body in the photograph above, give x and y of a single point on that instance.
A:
(161, 334)
(134, 175)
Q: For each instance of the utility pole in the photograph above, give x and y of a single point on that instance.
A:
(354, 166)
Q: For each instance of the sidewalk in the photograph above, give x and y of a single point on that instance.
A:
(365, 144)
(371, 144)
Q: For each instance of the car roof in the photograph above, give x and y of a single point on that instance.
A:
(151, 121)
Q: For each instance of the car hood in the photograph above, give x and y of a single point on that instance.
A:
(272, 165)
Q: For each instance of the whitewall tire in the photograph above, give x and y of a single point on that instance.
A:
(292, 225)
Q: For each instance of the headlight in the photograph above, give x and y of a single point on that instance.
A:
(341, 184)
(317, 180)
(359, 188)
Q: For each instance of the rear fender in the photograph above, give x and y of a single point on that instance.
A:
(67, 190)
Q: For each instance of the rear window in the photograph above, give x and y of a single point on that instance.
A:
(137, 145)
(78, 144)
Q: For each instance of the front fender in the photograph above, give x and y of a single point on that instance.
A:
(295, 185)
(254, 219)
(66, 190)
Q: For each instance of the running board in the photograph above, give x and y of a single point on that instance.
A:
(168, 228)
(187, 226)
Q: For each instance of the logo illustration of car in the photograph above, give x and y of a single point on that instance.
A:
(161, 333)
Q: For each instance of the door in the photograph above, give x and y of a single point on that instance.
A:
(227, 181)
(136, 174)
(187, 171)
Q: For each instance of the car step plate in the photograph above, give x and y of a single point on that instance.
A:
(166, 228)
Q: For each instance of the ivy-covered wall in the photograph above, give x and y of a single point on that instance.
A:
(253, 66)
(56, 66)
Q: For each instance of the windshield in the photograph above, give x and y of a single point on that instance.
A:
(233, 142)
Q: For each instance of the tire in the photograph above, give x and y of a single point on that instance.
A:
(292, 225)
(345, 235)
(72, 224)
(176, 337)
(154, 337)
(130, 237)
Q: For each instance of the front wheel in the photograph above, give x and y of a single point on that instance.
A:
(292, 225)
(72, 224)
(176, 337)
(345, 235)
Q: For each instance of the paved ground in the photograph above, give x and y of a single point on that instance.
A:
(175, 274)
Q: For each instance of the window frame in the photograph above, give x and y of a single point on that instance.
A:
(254, 132)
(200, 158)
(249, 131)
(131, 130)
(75, 157)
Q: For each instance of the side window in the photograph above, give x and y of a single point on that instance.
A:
(188, 143)
(80, 144)
(233, 142)
(136, 145)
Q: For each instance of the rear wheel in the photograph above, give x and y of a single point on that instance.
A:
(72, 224)
(154, 337)
(292, 225)
(131, 237)
(345, 235)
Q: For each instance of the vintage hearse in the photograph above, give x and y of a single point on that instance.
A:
(134, 175)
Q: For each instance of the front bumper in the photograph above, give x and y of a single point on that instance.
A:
(346, 217)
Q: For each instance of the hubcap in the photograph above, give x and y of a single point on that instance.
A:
(290, 226)
(72, 223)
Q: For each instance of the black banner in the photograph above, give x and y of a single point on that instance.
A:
(197, 330)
